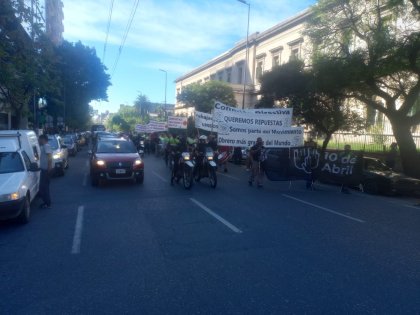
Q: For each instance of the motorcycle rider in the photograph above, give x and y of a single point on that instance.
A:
(177, 150)
(199, 153)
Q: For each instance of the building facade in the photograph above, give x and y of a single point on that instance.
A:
(275, 46)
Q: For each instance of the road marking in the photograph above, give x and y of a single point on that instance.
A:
(160, 177)
(216, 216)
(77, 238)
(323, 208)
(85, 179)
(229, 176)
(413, 207)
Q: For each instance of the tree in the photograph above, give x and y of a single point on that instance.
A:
(24, 58)
(314, 102)
(84, 79)
(373, 52)
(142, 105)
(203, 96)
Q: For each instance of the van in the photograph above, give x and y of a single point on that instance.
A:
(19, 173)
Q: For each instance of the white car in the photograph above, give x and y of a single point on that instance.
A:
(19, 173)
(60, 154)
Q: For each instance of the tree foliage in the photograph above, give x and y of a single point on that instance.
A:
(84, 79)
(314, 102)
(26, 60)
(371, 53)
(203, 96)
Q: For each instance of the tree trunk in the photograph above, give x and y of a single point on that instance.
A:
(410, 158)
(326, 141)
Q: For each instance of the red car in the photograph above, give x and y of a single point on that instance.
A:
(115, 159)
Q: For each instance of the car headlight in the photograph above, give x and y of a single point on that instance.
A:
(57, 156)
(100, 163)
(138, 162)
(210, 158)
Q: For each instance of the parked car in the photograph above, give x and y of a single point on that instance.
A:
(115, 159)
(19, 173)
(70, 144)
(380, 179)
(60, 154)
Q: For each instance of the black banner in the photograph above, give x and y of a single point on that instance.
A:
(342, 167)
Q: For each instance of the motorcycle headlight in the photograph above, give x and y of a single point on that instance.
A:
(138, 162)
(100, 163)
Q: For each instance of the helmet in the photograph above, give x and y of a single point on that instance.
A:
(203, 137)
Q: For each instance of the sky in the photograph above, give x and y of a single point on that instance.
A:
(172, 35)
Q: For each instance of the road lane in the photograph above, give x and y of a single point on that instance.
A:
(148, 249)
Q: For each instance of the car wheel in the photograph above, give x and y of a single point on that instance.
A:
(67, 164)
(94, 180)
(140, 179)
(370, 187)
(24, 215)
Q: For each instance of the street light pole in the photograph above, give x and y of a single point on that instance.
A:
(246, 52)
(166, 85)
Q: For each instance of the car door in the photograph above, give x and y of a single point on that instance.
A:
(32, 177)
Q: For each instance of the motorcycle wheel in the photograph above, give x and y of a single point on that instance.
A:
(187, 178)
(212, 177)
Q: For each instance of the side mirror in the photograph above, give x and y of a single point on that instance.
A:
(34, 167)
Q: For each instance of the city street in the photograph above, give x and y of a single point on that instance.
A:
(155, 249)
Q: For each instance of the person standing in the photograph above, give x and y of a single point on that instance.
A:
(46, 167)
(257, 157)
(345, 189)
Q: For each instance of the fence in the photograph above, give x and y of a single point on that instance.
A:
(369, 142)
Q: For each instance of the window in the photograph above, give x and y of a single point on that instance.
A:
(295, 53)
(229, 75)
(276, 56)
(213, 77)
(295, 49)
(10, 162)
(36, 153)
(220, 76)
(276, 60)
(26, 160)
(259, 70)
(240, 74)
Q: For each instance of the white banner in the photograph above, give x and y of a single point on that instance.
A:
(242, 136)
(140, 128)
(177, 122)
(241, 128)
(156, 126)
(205, 121)
(260, 118)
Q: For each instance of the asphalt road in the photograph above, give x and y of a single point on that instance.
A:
(156, 249)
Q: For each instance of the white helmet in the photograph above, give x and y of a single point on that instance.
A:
(203, 137)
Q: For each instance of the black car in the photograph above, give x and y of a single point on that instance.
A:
(380, 179)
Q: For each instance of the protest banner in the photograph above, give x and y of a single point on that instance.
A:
(259, 118)
(299, 162)
(241, 127)
(235, 135)
(341, 167)
(140, 128)
(156, 126)
(205, 121)
(176, 122)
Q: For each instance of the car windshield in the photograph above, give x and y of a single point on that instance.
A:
(53, 142)
(68, 140)
(10, 162)
(116, 147)
(373, 165)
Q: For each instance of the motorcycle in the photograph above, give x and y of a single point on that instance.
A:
(184, 171)
(207, 168)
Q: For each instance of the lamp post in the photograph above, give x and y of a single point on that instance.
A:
(166, 85)
(246, 52)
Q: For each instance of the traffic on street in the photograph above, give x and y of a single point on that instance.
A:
(161, 249)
